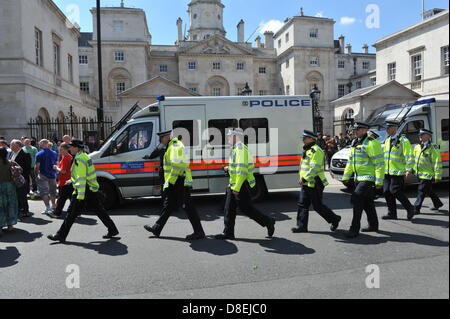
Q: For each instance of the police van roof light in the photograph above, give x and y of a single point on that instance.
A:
(161, 98)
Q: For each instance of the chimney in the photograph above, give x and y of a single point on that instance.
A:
(180, 29)
(240, 30)
(349, 48)
(341, 44)
(268, 39)
(121, 4)
(365, 49)
(258, 42)
(301, 12)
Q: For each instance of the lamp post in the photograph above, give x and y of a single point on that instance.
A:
(318, 119)
(246, 91)
(100, 79)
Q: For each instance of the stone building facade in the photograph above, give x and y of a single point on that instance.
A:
(39, 74)
(302, 53)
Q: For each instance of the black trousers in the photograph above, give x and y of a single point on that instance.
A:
(393, 190)
(313, 196)
(363, 200)
(65, 193)
(426, 189)
(173, 197)
(94, 203)
(244, 202)
(22, 199)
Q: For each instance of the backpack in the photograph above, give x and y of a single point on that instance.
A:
(16, 175)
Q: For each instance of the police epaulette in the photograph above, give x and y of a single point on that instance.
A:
(313, 150)
(371, 138)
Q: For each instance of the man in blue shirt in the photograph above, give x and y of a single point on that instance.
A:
(46, 175)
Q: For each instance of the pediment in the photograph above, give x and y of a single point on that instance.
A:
(216, 45)
(157, 86)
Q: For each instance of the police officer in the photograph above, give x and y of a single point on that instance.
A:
(160, 151)
(399, 160)
(177, 188)
(84, 182)
(313, 182)
(428, 166)
(366, 164)
(241, 169)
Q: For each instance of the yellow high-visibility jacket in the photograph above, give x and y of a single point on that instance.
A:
(83, 175)
(241, 167)
(176, 164)
(366, 162)
(312, 166)
(398, 157)
(428, 162)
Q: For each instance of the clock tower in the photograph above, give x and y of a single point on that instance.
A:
(205, 19)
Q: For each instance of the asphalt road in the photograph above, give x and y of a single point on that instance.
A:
(412, 257)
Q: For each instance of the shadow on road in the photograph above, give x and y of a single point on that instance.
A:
(282, 246)
(366, 239)
(208, 245)
(8, 257)
(20, 236)
(430, 222)
(111, 247)
(35, 221)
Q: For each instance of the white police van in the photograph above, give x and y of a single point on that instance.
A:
(430, 114)
(273, 126)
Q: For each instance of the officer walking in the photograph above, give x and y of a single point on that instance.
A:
(177, 188)
(428, 165)
(399, 160)
(240, 169)
(366, 164)
(84, 181)
(313, 182)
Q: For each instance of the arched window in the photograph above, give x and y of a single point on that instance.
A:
(350, 114)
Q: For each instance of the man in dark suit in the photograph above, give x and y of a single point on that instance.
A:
(24, 160)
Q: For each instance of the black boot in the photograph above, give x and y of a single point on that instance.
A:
(56, 237)
(335, 225)
(152, 229)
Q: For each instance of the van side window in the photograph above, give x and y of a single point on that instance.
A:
(256, 130)
(218, 129)
(135, 138)
(411, 131)
(445, 129)
(187, 132)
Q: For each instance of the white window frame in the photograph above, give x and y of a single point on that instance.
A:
(193, 89)
(314, 33)
(217, 66)
(83, 60)
(240, 66)
(217, 92)
(192, 65)
(279, 43)
(445, 60)
(288, 89)
(341, 90)
(358, 85)
(70, 67)
(392, 71)
(314, 61)
(120, 87)
(416, 67)
(56, 58)
(38, 46)
(84, 86)
(118, 26)
(287, 37)
(262, 92)
(163, 68)
(366, 65)
(119, 56)
(341, 64)
(262, 70)
(287, 63)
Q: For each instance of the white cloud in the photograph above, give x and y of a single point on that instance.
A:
(319, 14)
(347, 20)
(272, 25)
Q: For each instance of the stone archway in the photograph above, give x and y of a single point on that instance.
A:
(314, 78)
(115, 77)
(217, 84)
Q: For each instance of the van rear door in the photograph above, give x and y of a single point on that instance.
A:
(188, 124)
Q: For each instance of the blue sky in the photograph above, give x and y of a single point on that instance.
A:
(350, 16)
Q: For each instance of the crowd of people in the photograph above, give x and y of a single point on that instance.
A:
(331, 145)
(31, 170)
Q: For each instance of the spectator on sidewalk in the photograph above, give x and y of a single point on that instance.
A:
(65, 188)
(8, 198)
(22, 158)
(46, 175)
(5, 145)
(30, 149)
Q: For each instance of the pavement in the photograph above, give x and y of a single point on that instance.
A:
(411, 258)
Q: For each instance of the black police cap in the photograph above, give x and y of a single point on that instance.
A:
(307, 133)
(77, 143)
(359, 125)
(165, 133)
(391, 123)
(425, 131)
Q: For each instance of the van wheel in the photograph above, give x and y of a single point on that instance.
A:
(108, 195)
(259, 192)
